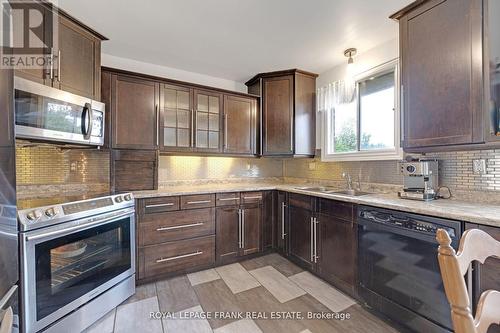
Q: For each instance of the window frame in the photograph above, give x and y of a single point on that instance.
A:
(395, 153)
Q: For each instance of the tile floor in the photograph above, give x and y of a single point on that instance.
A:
(218, 300)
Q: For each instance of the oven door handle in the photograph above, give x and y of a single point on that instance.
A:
(80, 227)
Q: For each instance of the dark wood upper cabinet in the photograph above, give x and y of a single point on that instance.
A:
(288, 107)
(76, 54)
(79, 58)
(240, 122)
(449, 98)
(134, 113)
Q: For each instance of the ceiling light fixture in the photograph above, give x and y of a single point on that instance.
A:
(349, 53)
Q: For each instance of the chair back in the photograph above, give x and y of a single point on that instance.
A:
(475, 245)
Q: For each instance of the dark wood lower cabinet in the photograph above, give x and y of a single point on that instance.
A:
(227, 240)
(268, 220)
(337, 245)
(239, 226)
(301, 210)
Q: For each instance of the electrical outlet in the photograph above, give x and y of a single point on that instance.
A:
(479, 166)
(312, 166)
(73, 166)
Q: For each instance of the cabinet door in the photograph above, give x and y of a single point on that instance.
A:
(268, 223)
(492, 67)
(442, 74)
(135, 113)
(239, 125)
(251, 228)
(282, 224)
(80, 63)
(277, 116)
(227, 234)
(42, 74)
(301, 230)
(337, 252)
(208, 121)
(176, 103)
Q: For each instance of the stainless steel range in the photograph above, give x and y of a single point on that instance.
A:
(77, 260)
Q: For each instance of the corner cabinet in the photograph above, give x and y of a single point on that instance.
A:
(286, 97)
(449, 90)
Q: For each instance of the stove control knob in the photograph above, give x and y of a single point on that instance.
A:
(34, 215)
(118, 199)
(51, 212)
(128, 197)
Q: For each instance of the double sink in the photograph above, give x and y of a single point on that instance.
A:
(333, 190)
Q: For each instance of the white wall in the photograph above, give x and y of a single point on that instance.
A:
(170, 73)
(363, 62)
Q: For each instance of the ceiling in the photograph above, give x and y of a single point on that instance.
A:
(235, 39)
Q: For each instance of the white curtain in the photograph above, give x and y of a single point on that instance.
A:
(335, 93)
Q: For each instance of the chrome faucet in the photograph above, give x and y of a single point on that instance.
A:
(347, 176)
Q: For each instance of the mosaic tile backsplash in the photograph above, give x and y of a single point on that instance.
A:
(51, 165)
(189, 168)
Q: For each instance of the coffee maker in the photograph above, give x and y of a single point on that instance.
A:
(420, 179)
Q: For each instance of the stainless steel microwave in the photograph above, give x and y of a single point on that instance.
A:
(49, 114)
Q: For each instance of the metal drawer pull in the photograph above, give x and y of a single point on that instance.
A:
(283, 220)
(228, 199)
(312, 239)
(160, 205)
(180, 226)
(198, 202)
(256, 197)
(197, 253)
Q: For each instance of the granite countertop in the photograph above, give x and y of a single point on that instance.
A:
(487, 214)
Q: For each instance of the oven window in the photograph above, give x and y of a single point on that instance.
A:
(72, 265)
(41, 112)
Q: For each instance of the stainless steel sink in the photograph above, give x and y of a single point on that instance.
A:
(322, 189)
(354, 193)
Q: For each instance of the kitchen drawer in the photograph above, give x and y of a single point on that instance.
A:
(197, 201)
(342, 210)
(178, 256)
(160, 205)
(228, 199)
(251, 197)
(173, 226)
(301, 201)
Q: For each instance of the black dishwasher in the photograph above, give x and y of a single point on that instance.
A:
(398, 267)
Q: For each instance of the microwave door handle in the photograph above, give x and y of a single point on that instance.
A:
(87, 115)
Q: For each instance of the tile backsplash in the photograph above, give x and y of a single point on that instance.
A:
(52, 165)
(189, 168)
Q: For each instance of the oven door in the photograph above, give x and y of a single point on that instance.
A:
(51, 114)
(67, 265)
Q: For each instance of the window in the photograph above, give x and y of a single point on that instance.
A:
(368, 127)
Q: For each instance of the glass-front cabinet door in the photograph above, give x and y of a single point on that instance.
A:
(177, 118)
(208, 121)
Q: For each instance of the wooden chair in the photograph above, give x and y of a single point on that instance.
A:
(475, 245)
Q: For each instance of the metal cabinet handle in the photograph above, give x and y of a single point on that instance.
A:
(312, 239)
(51, 71)
(228, 199)
(283, 220)
(198, 202)
(242, 228)
(160, 205)
(157, 113)
(315, 240)
(225, 130)
(197, 253)
(192, 127)
(180, 226)
(255, 197)
(59, 55)
(239, 228)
